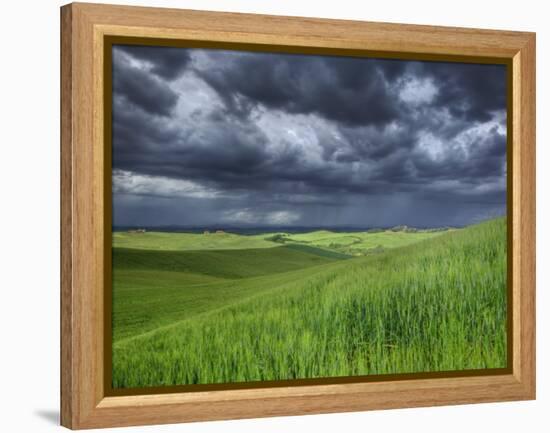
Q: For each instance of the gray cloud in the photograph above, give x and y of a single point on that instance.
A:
(141, 88)
(347, 90)
(165, 62)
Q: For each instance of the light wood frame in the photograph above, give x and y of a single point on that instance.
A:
(84, 403)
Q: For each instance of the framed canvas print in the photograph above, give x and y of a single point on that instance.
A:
(270, 216)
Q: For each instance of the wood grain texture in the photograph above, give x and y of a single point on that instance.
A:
(67, 388)
(84, 26)
(524, 303)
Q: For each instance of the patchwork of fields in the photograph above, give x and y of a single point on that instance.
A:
(221, 307)
(350, 243)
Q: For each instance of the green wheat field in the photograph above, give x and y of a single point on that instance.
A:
(205, 308)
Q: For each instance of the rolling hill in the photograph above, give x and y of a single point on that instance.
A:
(153, 288)
(283, 313)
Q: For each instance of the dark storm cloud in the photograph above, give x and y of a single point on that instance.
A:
(165, 62)
(352, 91)
(141, 88)
(224, 151)
(138, 136)
(469, 91)
(256, 138)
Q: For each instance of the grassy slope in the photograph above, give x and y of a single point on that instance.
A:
(155, 288)
(356, 243)
(323, 252)
(188, 241)
(437, 305)
(221, 264)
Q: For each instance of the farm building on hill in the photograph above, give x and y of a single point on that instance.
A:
(220, 232)
(137, 231)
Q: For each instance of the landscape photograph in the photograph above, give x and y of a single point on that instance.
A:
(281, 217)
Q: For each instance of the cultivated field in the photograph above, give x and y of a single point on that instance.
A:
(221, 307)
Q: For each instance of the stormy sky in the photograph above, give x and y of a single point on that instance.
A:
(228, 138)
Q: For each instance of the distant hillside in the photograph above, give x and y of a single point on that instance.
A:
(341, 243)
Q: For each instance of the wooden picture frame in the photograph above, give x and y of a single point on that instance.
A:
(85, 28)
